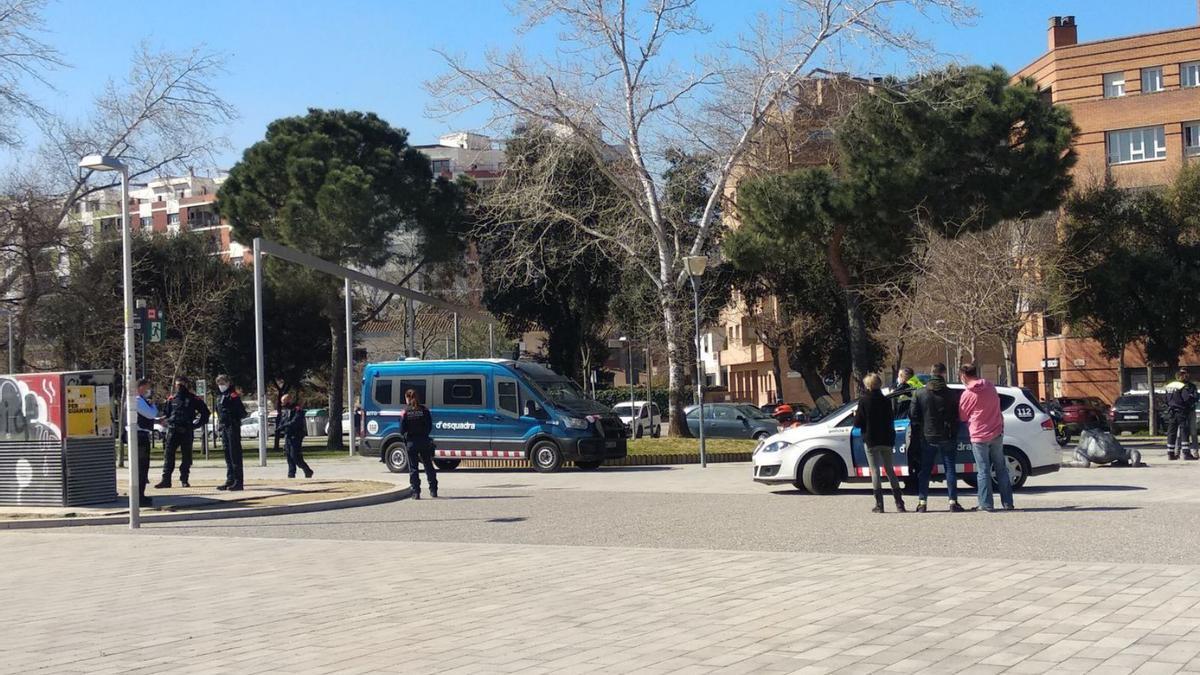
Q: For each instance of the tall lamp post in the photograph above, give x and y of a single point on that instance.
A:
(107, 163)
(696, 265)
(633, 417)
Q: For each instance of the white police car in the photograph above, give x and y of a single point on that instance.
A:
(819, 457)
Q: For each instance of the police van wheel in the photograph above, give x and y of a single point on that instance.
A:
(446, 464)
(588, 465)
(396, 457)
(545, 456)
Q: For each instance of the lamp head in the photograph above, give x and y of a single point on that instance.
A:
(101, 163)
(695, 264)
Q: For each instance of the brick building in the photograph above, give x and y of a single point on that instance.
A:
(1136, 101)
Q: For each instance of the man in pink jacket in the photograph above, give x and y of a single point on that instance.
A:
(979, 408)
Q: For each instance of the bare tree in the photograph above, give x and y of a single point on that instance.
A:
(164, 118)
(23, 58)
(611, 84)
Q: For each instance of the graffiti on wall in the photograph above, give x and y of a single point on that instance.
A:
(30, 407)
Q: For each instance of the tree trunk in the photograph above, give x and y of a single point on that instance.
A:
(677, 362)
(1121, 371)
(777, 369)
(855, 322)
(337, 376)
(899, 362)
(848, 384)
(816, 388)
(1010, 358)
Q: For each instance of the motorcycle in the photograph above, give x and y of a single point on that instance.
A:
(1062, 434)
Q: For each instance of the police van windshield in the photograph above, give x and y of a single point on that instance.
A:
(559, 390)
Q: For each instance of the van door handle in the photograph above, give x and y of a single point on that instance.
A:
(482, 417)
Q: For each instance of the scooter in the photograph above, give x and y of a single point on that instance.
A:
(1062, 433)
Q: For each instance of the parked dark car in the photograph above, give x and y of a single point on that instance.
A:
(1079, 413)
(1131, 412)
(731, 420)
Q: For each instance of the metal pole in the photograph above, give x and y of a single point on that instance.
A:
(699, 372)
(1045, 361)
(456, 335)
(350, 363)
(259, 365)
(131, 429)
(633, 416)
(491, 341)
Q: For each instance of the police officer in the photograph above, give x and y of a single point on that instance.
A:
(230, 411)
(146, 414)
(416, 426)
(1181, 412)
(183, 413)
(291, 427)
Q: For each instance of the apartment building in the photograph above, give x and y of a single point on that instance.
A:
(165, 206)
(462, 153)
(1136, 101)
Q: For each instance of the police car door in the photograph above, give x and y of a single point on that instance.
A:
(462, 415)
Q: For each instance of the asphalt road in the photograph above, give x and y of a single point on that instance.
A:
(1100, 514)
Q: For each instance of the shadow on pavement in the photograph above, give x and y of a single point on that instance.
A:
(1050, 489)
(601, 470)
(340, 523)
(1077, 509)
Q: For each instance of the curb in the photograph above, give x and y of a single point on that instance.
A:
(393, 495)
(629, 460)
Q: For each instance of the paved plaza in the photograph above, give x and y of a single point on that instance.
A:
(651, 569)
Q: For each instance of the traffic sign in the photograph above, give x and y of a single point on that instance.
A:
(155, 331)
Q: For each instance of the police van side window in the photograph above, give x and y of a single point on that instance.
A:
(418, 386)
(383, 391)
(507, 399)
(462, 392)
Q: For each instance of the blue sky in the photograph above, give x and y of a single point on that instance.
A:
(286, 56)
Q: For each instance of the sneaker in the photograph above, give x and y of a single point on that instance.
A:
(878, 508)
(921, 507)
(955, 508)
(433, 492)
(1008, 507)
(308, 474)
(1187, 454)
(900, 507)
(1172, 456)
(234, 488)
(163, 485)
(184, 483)
(222, 487)
(983, 509)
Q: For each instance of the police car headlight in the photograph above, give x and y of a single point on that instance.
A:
(575, 423)
(773, 447)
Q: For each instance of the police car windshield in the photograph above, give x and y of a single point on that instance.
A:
(560, 390)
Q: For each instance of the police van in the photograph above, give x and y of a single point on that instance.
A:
(490, 409)
(819, 457)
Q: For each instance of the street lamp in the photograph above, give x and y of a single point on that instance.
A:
(633, 418)
(696, 265)
(107, 163)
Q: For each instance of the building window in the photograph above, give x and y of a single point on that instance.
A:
(1136, 145)
(1114, 85)
(1189, 74)
(172, 218)
(1152, 80)
(147, 223)
(1191, 138)
(441, 166)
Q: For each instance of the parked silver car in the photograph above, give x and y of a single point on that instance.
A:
(731, 420)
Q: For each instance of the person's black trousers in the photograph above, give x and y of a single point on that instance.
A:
(177, 439)
(143, 441)
(424, 453)
(295, 457)
(231, 437)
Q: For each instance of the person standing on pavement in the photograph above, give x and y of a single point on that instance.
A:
(1181, 415)
(230, 411)
(934, 428)
(874, 417)
(183, 413)
(416, 426)
(979, 407)
(291, 427)
(146, 414)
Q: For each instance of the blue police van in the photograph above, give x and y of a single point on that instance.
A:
(490, 409)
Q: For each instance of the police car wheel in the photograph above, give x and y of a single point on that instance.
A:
(396, 457)
(588, 465)
(545, 456)
(821, 474)
(1018, 467)
(446, 464)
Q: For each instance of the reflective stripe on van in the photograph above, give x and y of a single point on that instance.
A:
(490, 454)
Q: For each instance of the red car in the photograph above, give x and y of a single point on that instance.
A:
(1082, 412)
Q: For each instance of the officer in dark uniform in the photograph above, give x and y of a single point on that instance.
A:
(230, 411)
(183, 413)
(146, 414)
(416, 426)
(291, 427)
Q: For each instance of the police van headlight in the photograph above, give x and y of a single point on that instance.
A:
(575, 423)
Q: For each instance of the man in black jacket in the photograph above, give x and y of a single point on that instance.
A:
(183, 413)
(291, 427)
(1181, 413)
(230, 411)
(933, 428)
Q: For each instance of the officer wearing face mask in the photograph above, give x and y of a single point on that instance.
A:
(230, 411)
(183, 413)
